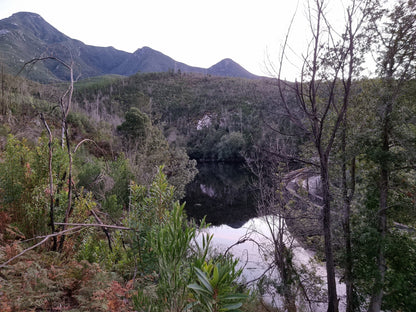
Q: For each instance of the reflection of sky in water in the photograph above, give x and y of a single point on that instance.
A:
(223, 192)
(255, 260)
(208, 190)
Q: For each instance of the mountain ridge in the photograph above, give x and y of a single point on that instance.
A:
(26, 35)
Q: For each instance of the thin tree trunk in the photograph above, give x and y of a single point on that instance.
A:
(326, 219)
(377, 295)
(348, 276)
(346, 203)
(69, 206)
(65, 137)
(51, 189)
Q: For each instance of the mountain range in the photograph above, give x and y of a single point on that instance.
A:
(25, 36)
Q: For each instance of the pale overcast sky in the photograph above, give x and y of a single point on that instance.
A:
(196, 32)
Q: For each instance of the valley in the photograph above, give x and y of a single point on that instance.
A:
(100, 151)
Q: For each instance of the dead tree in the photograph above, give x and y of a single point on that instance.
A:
(317, 108)
(65, 104)
(51, 188)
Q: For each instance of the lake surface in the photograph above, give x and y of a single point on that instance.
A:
(223, 192)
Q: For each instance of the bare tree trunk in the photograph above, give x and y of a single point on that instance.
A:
(346, 195)
(326, 221)
(65, 103)
(51, 189)
(346, 203)
(68, 211)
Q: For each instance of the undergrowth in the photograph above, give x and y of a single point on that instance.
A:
(49, 281)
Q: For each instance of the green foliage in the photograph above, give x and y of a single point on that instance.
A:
(230, 146)
(203, 144)
(171, 244)
(400, 277)
(134, 128)
(397, 245)
(24, 183)
(180, 170)
(180, 101)
(108, 180)
(95, 249)
(112, 207)
(163, 232)
(132, 250)
(400, 251)
(180, 262)
(147, 149)
(81, 122)
(151, 208)
(215, 289)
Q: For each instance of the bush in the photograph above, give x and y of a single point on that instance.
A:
(24, 183)
(230, 146)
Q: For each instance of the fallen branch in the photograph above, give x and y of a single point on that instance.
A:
(117, 227)
(76, 227)
(45, 239)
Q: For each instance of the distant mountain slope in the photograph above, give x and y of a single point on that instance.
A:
(25, 35)
(147, 60)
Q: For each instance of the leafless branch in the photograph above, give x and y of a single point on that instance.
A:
(45, 239)
(117, 227)
(107, 234)
(41, 59)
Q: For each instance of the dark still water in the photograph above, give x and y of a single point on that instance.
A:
(223, 192)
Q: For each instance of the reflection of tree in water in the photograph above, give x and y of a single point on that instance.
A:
(223, 192)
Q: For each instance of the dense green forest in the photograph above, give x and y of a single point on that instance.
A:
(92, 173)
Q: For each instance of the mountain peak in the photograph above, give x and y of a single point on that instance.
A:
(229, 68)
(227, 61)
(27, 14)
(33, 23)
(145, 48)
(145, 51)
(28, 18)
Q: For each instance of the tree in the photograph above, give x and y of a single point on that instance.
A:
(230, 146)
(65, 103)
(146, 148)
(322, 98)
(135, 127)
(396, 66)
